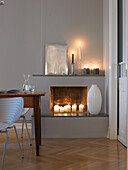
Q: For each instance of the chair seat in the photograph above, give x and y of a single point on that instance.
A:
(25, 110)
(3, 125)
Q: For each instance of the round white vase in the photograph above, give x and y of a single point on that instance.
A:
(94, 100)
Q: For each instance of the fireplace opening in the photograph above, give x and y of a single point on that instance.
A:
(68, 100)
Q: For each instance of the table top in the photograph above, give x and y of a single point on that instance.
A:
(41, 93)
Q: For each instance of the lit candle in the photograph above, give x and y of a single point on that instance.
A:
(68, 108)
(81, 108)
(65, 108)
(56, 108)
(95, 70)
(61, 109)
(86, 70)
(73, 57)
(79, 50)
(74, 108)
(91, 70)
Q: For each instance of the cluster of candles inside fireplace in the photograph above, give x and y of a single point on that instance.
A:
(68, 108)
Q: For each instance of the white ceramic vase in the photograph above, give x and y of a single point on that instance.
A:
(94, 100)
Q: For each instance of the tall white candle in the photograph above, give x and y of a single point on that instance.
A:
(74, 108)
(79, 50)
(56, 108)
(65, 108)
(68, 108)
(61, 109)
(81, 108)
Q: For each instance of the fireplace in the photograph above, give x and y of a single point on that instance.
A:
(68, 97)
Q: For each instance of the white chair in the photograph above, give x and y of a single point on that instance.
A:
(10, 111)
(25, 110)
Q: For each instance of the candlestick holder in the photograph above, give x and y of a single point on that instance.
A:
(72, 68)
(96, 71)
(80, 71)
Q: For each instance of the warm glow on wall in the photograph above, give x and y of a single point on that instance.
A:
(83, 55)
(1, 2)
(79, 42)
(74, 46)
(86, 66)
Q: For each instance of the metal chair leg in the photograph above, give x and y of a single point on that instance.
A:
(22, 128)
(5, 149)
(27, 131)
(18, 141)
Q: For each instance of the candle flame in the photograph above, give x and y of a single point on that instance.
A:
(91, 66)
(95, 67)
(79, 44)
(72, 52)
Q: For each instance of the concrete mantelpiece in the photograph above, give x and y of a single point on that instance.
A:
(70, 127)
(45, 82)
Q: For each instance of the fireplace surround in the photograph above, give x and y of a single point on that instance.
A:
(80, 83)
(63, 126)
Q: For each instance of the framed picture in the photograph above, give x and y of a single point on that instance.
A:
(56, 59)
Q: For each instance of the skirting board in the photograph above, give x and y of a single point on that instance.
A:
(73, 127)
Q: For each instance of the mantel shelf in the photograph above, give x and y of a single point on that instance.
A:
(90, 75)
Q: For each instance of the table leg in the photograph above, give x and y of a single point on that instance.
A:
(40, 117)
(37, 118)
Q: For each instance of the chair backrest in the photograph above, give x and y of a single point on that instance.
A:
(10, 109)
(25, 110)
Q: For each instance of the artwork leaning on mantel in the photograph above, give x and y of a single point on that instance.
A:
(56, 59)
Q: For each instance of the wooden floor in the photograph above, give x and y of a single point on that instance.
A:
(64, 154)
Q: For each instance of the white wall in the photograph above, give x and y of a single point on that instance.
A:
(26, 25)
(71, 21)
(20, 41)
(124, 31)
(113, 69)
(106, 50)
(24, 30)
(110, 62)
(65, 21)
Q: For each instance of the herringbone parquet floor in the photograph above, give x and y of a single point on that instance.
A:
(64, 154)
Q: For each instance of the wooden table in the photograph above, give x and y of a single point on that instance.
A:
(32, 100)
